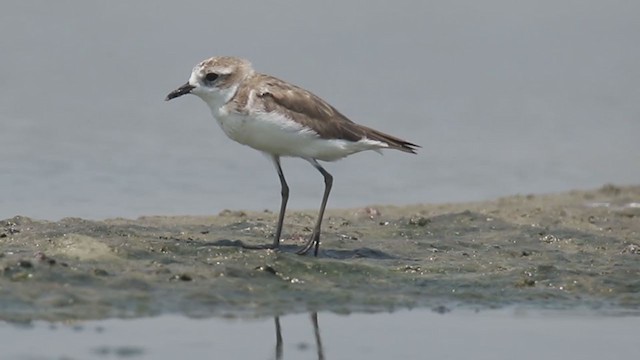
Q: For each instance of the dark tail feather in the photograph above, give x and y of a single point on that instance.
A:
(392, 141)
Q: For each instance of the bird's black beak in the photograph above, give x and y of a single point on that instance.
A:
(182, 90)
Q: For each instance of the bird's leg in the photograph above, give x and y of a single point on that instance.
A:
(315, 237)
(283, 204)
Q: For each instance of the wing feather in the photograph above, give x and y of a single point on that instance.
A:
(311, 111)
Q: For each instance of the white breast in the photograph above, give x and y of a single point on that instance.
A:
(276, 134)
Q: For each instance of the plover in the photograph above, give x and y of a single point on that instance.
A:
(281, 119)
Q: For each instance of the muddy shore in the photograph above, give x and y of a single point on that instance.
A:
(574, 249)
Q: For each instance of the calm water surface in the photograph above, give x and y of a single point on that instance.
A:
(504, 98)
(505, 334)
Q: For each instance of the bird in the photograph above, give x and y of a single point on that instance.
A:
(281, 120)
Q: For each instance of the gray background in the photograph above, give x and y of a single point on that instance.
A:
(505, 97)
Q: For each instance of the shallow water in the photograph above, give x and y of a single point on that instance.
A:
(418, 334)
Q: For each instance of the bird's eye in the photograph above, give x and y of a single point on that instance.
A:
(211, 77)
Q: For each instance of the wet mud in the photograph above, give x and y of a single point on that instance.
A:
(575, 249)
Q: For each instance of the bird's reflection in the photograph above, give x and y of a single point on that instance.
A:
(316, 332)
(278, 338)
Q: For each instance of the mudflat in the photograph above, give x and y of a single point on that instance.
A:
(573, 249)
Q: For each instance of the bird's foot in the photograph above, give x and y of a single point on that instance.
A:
(313, 240)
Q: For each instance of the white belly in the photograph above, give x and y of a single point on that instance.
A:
(275, 134)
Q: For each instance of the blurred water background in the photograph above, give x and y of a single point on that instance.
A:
(505, 97)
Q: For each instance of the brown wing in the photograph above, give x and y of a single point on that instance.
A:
(315, 113)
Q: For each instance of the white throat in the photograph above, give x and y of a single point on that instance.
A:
(218, 99)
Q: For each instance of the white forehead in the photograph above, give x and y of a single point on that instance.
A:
(222, 65)
(204, 68)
